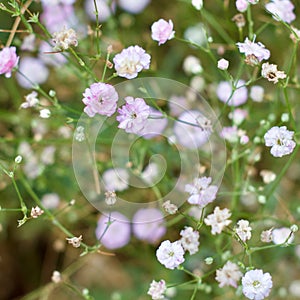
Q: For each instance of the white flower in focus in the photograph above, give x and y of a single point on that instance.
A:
(75, 241)
(170, 254)
(56, 277)
(218, 220)
(270, 72)
(223, 64)
(169, 207)
(31, 100)
(256, 284)
(282, 235)
(229, 275)
(64, 39)
(190, 240)
(243, 230)
(36, 212)
(157, 289)
(162, 31)
(280, 140)
(45, 113)
(198, 4)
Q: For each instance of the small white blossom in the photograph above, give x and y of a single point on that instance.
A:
(218, 220)
(257, 93)
(266, 236)
(169, 207)
(190, 240)
(31, 100)
(18, 159)
(36, 212)
(45, 113)
(229, 275)
(256, 284)
(170, 254)
(75, 241)
(79, 134)
(270, 72)
(223, 64)
(56, 277)
(280, 140)
(110, 198)
(192, 65)
(157, 289)
(282, 235)
(267, 176)
(198, 4)
(64, 39)
(281, 10)
(243, 230)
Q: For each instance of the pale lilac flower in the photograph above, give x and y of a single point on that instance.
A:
(178, 104)
(229, 275)
(169, 207)
(157, 289)
(36, 212)
(50, 200)
(170, 254)
(198, 4)
(154, 125)
(230, 134)
(133, 6)
(56, 2)
(243, 230)
(218, 220)
(256, 284)
(257, 93)
(223, 64)
(195, 135)
(8, 60)
(241, 5)
(133, 115)
(190, 240)
(64, 39)
(45, 113)
(282, 235)
(75, 241)
(239, 96)
(131, 61)
(280, 140)
(196, 34)
(238, 116)
(281, 10)
(100, 98)
(270, 72)
(105, 9)
(116, 179)
(28, 43)
(48, 57)
(113, 232)
(31, 100)
(266, 236)
(34, 71)
(257, 49)
(201, 191)
(162, 31)
(48, 155)
(148, 225)
(192, 65)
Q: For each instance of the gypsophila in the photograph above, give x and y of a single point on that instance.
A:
(190, 240)
(198, 4)
(45, 113)
(266, 236)
(280, 140)
(31, 100)
(64, 39)
(36, 212)
(267, 176)
(162, 31)
(223, 64)
(110, 198)
(79, 134)
(229, 275)
(131, 61)
(75, 241)
(218, 220)
(157, 289)
(169, 207)
(56, 277)
(256, 284)
(243, 230)
(133, 115)
(282, 235)
(201, 191)
(170, 254)
(270, 72)
(8, 61)
(281, 10)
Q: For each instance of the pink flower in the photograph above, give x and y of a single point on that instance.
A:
(223, 64)
(100, 98)
(148, 225)
(133, 6)
(113, 232)
(133, 115)
(131, 61)
(241, 5)
(281, 10)
(258, 50)
(162, 31)
(8, 60)
(239, 96)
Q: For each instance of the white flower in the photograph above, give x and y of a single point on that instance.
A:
(270, 72)
(169, 207)
(64, 39)
(256, 284)
(281, 10)
(201, 192)
(229, 275)
(257, 93)
(170, 254)
(110, 198)
(282, 235)
(243, 230)
(218, 220)
(190, 240)
(223, 64)
(36, 212)
(31, 100)
(267, 176)
(18, 159)
(116, 179)
(192, 65)
(50, 200)
(79, 134)
(45, 113)
(56, 277)
(280, 140)
(198, 4)
(157, 289)
(266, 236)
(75, 241)
(238, 116)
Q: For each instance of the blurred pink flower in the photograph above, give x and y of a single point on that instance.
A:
(133, 6)
(241, 5)
(162, 31)
(131, 61)
(157, 289)
(100, 98)
(117, 234)
(148, 225)
(133, 115)
(8, 60)
(281, 10)
(239, 96)
(257, 49)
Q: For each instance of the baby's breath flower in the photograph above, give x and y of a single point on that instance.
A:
(75, 241)
(267, 176)
(223, 64)
(198, 4)
(110, 197)
(229, 275)
(282, 235)
(45, 113)
(157, 289)
(270, 72)
(218, 220)
(266, 236)
(56, 277)
(36, 212)
(281, 10)
(243, 230)
(169, 207)
(257, 93)
(31, 100)
(18, 159)
(64, 39)
(190, 240)
(162, 31)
